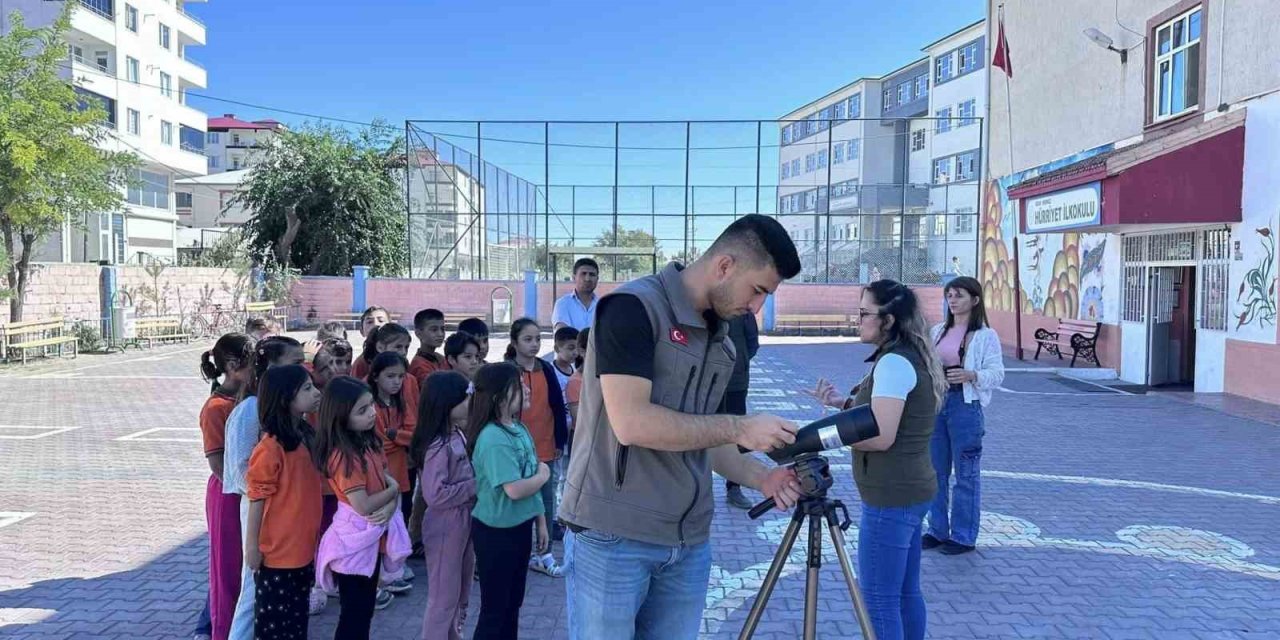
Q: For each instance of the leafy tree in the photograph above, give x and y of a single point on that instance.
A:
(324, 199)
(52, 171)
(627, 266)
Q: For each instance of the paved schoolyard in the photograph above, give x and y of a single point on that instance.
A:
(1106, 515)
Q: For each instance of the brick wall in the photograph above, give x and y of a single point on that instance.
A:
(57, 289)
(73, 290)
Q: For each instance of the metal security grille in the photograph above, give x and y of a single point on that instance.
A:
(1135, 291)
(1172, 247)
(492, 199)
(1166, 296)
(1134, 249)
(1215, 269)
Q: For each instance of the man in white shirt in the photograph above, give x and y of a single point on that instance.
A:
(578, 309)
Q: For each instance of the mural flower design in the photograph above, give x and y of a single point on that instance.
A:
(1091, 304)
(1256, 298)
(997, 267)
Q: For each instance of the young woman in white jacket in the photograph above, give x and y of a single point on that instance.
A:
(974, 363)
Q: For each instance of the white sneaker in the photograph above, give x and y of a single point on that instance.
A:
(546, 565)
(383, 599)
(408, 574)
(317, 601)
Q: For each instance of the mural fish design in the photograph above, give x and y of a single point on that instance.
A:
(1093, 259)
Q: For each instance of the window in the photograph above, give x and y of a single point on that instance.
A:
(134, 75)
(1177, 66)
(822, 159)
(164, 36)
(855, 149)
(917, 140)
(810, 163)
(943, 122)
(795, 167)
(839, 110)
(783, 175)
(922, 85)
(969, 60)
(213, 162)
(133, 122)
(942, 170)
(838, 150)
(811, 200)
(964, 224)
(147, 189)
(76, 52)
(811, 125)
(166, 133)
(235, 139)
(89, 99)
(888, 98)
(166, 85)
(942, 70)
(102, 59)
(183, 200)
(824, 119)
(904, 93)
(967, 111)
(966, 165)
(786, 135)
(782, 203)
(939, 225)
(236, 163)
(131, 18)
(855, 105)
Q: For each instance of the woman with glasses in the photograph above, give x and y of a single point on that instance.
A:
(894, 472)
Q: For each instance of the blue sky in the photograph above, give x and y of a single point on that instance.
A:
(660, 59)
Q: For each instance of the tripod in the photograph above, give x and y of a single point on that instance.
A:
(815, 479)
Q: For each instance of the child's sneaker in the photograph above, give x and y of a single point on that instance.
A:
(408, 574)
(383, 599)
(546, 565)
(317, 601)
(398, 586)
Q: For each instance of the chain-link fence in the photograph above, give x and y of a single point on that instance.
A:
(861, 198)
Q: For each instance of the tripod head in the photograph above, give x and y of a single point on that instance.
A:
(814, 474)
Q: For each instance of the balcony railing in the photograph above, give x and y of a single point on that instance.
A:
(191, 62)
(103, 8)
(183, 10)
(94, 64)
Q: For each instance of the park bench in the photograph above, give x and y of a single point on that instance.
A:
(159, 329)
(837, 323)
(17, 338)
(452, 319)
(268, 308)
(1081, 336)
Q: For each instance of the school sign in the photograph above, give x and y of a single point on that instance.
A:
(1067, 209)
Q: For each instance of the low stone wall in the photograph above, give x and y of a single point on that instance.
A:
(74, 291)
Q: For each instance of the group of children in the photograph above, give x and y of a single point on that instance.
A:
(331, 468)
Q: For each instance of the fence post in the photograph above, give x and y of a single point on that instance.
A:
(359, 281)
(531, 294)
(770, 311)
(109, 281)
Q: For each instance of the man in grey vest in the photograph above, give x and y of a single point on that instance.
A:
(637, 496)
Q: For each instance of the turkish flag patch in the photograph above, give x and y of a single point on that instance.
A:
(678, 336)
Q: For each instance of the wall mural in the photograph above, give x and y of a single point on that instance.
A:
(1255, 302)
(1062, 274)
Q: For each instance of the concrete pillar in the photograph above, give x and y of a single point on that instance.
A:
(770, 311)
(531, 294)
(359, 283)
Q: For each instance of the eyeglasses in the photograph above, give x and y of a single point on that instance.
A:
(863, 315)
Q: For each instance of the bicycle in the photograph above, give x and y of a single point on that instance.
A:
(212, 324)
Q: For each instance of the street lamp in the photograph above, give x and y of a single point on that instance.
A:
(1103, 40)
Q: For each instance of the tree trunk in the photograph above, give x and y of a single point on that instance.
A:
(284, 247)
(24, 274)
(11, 269)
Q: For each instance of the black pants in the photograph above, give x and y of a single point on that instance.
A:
(280, 604)
(502, 560)
(357, 595)
(734, 403)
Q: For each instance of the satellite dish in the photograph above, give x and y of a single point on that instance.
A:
(1099, 38)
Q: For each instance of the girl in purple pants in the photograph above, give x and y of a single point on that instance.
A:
(449, 488)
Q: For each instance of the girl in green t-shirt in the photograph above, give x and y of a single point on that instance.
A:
(508, 504)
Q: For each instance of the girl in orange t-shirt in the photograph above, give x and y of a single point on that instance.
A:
(285, 509)
(371, 320)
(394, 391)
(229, 366)
(348, 447)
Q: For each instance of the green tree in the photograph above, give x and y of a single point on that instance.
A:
(627, 266)
(52, 170)
(324, 199)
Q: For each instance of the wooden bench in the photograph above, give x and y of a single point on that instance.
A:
(159, 329)
(20, 337)
(353, 319)
(822, 322)
(268, 308)
(451, 320)
(1081, 336)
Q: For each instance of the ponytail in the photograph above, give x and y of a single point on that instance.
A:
(267, 351)
(385, 333)
(232, 352)
(908, 330)
(516, 327)
(209, 371)
(510, 353)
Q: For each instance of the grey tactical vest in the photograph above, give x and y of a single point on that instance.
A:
(657, 497)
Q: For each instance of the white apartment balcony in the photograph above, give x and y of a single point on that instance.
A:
(87, 74)
(191, 73)
(190, 29)
(95, 19)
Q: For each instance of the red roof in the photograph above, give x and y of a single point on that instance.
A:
(229, 121)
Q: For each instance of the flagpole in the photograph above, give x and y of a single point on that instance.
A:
(1017, 223)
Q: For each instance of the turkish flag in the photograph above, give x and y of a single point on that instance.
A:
(1001, 58)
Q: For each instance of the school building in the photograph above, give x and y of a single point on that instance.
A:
(1132, 162)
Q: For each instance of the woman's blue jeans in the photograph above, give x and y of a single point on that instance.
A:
(957, 444)
(889, 569)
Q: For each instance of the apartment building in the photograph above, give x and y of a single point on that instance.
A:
(1133, 158)
(133, 58)
(232, 144)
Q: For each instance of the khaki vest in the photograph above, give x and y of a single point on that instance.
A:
(903, 475)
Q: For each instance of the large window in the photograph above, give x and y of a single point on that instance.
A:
(942, 171)
(917, 140)
(148, 189)
(183, 199)
(165, 36)
(855, 149)
(855, 105)
(795, 167)
(1177, 66)
(967, 111)
(88, 98)
(166, 85)
(166, 133)
(131, 18)
(942, 68)
(966, 166)
(839, 110)
(822, 159)
(967, 58)
(132, 69)
(888, 98)
(810, 162)
(133, 122)
(943, 122)
(191, 139)
(786, 135)
(904, 92)
(922, 85)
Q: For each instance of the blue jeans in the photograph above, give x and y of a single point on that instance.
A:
(548, 492)
(957, 443)
(242, 620)
(624, 589)
(889, 570)
(204, 624)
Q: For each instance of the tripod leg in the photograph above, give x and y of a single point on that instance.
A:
(771, 578)
(814, 565)
(859, 605)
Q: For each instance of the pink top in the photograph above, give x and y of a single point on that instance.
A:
(350, 546)
(949, 347)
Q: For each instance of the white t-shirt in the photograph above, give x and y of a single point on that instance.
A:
(894, 377)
